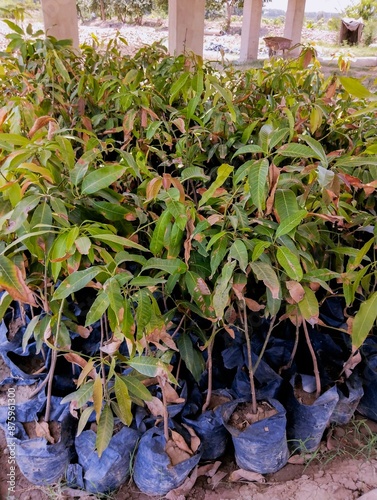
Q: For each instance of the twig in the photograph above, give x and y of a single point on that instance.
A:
(294, 350)
(54, 357)
(314, 359)
(161, 383)
(273, 319)
(249, 361)
(209, 371)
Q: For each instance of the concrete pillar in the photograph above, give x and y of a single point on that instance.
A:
(186, 26)
(60, 19)
(251, 22)
(294, 22)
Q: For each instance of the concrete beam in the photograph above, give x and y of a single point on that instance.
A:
(251, 22)
(60, 19)
(294, 21)
(186, 26)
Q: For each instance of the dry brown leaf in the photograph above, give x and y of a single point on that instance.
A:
(74, 358)
(209, 470)
(242, 474)
(112, 346)
(39, 123)
(156, 407)
(273, 175)
(253, 305)
(187, 245)
(171, 394)
(175, 453)
(217, 478)
(180, 442)
(195, 440)
(352, 362)
(42, 430)
(182, 491)
(213, 219)
(159, 335)
(296, 290)
(84, 332)
(297, 459)
(230, 330)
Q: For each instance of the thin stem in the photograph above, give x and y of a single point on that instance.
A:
(314, 359)
(294, 350)
(54, 357)
(249, 361)
(101, 352)
(273, 319)
(209, 370)
(161, 383)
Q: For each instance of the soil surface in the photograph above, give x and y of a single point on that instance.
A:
(345, 466)
(329, 474)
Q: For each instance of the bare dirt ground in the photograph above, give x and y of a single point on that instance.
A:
(345, 466)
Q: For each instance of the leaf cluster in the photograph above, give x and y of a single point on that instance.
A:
(177, 198)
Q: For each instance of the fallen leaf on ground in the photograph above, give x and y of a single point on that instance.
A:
(242, 474)
(217, 478)
(182, 491)
(209, 469)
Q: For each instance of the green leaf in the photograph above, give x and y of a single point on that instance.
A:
(266, 273)
(222, 289)
(98, 308)
(223, 173)
(290, 263)
(101, 178)
(238, 251)
(354, 87)
(119, 240)
(82, 165)
(29, 331)
(83, 245)
(84, 417)
(143, 311)
(136, 388)
(220, 249)
(227, 96)
(171, 266)
(309, 307)
(293, 150)
(12, 281)
(317, 148)
(75, 282)
(5, 302)
(61, 68)
(259, 248)
(123, 400)
(178, 85)
(290, 223)
(192, 357)
(157, 242)
(81, 396)
(150, 367)
(104, 430)
(285, 203)
(146, 281)
(193, 173)
(250, 148)
(364, 320)
(258, 175)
